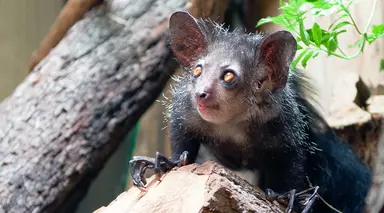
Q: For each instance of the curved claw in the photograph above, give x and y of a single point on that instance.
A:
(271, 195)
(138, 166)
(183, 159)
(160, 165)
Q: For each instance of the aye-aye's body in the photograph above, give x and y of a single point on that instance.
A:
(237, 104)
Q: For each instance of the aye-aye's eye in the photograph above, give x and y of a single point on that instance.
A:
(259, 84)
(197, 71)
(229, 76)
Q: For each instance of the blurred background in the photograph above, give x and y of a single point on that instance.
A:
(24, 23)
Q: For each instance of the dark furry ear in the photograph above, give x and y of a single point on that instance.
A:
(276, 53)
(187, 39)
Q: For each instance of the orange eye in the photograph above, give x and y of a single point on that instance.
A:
(197, 71)
(229, 76)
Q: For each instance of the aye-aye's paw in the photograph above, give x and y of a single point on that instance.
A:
(160, 164)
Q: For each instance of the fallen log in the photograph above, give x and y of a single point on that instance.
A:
(194, 188)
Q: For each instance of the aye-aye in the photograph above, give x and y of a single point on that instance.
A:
(239, 104)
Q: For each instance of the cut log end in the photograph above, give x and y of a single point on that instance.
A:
(194, 188)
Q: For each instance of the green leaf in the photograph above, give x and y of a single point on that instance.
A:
(316, 34)
(337, 20)
(315, 55)
(303, 33)
(306, 58)
(263, 21)
(323, 4)
(325, 37)
(341, 24)
(332, 45)
(277, 20)
(339, 32)
(381, 65)
(350, 3)
(357, 43)
(378, 30)
(290, 24)
(298, 58)
(371, 38)
(299, 47)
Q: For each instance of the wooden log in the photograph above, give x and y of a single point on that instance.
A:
(60, 125)
(194, 188)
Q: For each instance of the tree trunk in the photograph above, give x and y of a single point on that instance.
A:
(194, 188)
(68, 116)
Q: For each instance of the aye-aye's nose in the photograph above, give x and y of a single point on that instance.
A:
(202, 95)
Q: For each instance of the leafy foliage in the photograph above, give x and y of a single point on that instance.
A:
(312, 41)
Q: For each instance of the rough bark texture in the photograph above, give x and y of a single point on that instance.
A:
(194, 188)
(61, 124)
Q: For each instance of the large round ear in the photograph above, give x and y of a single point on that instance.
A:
(187, 40)
(276, 53)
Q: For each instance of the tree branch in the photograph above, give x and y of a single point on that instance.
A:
(194, 188)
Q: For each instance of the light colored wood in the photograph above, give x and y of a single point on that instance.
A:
(376, 104)
(342, 109)
(191, 189)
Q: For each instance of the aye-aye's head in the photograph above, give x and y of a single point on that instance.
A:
(232, 75)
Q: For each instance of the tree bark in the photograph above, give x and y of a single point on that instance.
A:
(194, 188)
(62, 123)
